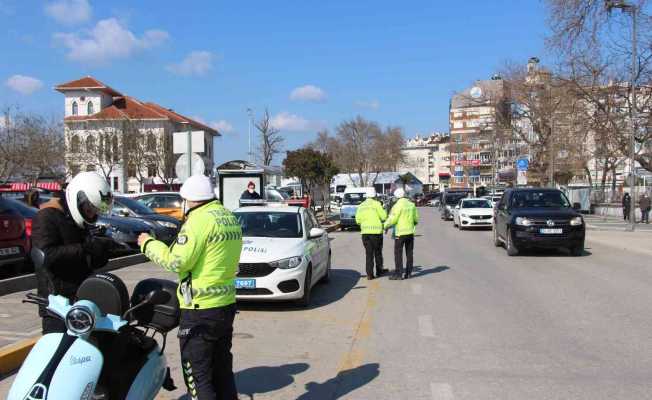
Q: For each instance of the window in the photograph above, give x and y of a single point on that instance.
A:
(89, 108)
(74, 169)
(74, 144)
(74, 108)
(151, 171)
(131, 171)
(90, 144)
(270, 224)
(151, 142)
(90, 168)
(114, 148)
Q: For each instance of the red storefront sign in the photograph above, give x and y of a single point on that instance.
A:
(473, 163)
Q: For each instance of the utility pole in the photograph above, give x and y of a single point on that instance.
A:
(189, 150)
(250, 153)
(632, 9)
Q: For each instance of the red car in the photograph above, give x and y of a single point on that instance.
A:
(15, 236)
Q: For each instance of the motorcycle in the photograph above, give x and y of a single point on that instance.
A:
(107, 351)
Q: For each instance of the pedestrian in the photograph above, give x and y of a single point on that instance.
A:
(250, 193)
(404, 217)
(627, 204)
(205, 256)
(31, 197)
(370, 215)
(60, 230)
(644, 204)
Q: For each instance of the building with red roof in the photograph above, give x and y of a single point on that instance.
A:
(126, 140)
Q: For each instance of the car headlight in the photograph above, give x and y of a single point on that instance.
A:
(576, 221)
(80, 320)
(287, 263)
(522, 221)
(168, 224)
(463, 215)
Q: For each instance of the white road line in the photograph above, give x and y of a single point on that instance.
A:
(441, 391)
(5, 315)
(416, 288)
(20, 334)
(425, 326)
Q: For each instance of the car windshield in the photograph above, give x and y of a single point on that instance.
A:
(537, 199)
(133, 205)
(476, 204)
(452, 199)
(353, 198)
(270, 224)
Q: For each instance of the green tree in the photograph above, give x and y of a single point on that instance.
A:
(313, 169)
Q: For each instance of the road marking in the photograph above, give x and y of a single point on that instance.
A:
(425, 326)
(441, 391)
(416, 288)
(17, 334)
(5, 315)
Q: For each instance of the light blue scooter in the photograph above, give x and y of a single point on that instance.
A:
(107, 352)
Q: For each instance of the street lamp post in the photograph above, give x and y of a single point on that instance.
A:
(250, 152)
(630, 8)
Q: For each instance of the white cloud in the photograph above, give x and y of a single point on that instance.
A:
(69, 12)
(373, 104)
(108, 40)
(222, 126)
(294, 123)
(24, 84)
(197, 63)
(308, 93)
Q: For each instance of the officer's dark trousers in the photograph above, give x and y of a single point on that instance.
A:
(400, 242)
(205, 338)
(373, 249)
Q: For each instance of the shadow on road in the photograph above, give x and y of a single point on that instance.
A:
(421, 271)
(259, 380)
(342, 281)
(560, 252)
(344, 383)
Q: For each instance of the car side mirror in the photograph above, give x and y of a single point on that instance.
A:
(316, 233)
(457, 207)
(123, 213)
(577, 206)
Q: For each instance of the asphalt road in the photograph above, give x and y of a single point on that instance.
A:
(472, 323)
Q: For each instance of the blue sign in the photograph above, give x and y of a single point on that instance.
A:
(459, 173)
(522, 164)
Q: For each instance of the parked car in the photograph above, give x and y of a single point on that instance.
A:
(166, 203)
(352, 198)
(540, 218)
(15, 236)
(449, 199)
(164, 226)
(125, 231)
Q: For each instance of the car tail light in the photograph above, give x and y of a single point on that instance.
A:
(28, 227)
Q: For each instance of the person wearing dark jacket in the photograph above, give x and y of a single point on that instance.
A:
(250, 193)
(627, 204)
(59, 229)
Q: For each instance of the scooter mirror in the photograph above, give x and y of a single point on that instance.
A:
(38, 258)
(158, 297)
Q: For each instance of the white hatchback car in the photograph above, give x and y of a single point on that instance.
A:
(284, 254)
(473, 213)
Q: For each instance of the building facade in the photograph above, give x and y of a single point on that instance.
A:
(428, 158)
(128, 141)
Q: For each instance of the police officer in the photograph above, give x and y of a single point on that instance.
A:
(405, 217)
(205, 255)
(370, 215)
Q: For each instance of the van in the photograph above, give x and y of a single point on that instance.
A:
(350, 200)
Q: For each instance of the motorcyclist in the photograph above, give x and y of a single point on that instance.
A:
(61, 229)
(205, 255)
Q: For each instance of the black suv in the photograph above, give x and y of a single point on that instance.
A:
(542, 218)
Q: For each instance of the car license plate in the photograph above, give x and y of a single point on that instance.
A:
(552, 231)
(245, 284)
(9, 251)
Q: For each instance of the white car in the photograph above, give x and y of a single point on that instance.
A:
(493, 199)
(473, 213)
(284, 254)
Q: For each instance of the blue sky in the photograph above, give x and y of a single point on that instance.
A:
(312, 64)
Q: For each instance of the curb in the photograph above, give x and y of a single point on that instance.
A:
(13, 355)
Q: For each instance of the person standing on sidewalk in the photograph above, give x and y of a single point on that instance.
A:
(206, 256)
(370, 215)
(404, 216)
(644, 204)
(627, 204)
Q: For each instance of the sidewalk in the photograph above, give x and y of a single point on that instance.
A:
(600, 223)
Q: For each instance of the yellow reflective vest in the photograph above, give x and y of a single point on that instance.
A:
(205, 255)
(405, 216)
(370, 215)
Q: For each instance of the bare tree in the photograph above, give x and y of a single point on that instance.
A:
(271, 141)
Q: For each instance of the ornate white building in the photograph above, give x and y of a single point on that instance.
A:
(103, 128)
(428, 158)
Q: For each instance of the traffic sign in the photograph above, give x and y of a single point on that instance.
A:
(522, 164)
(181, 167)
(521, 178)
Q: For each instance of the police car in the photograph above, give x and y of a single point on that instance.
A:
(284, 254)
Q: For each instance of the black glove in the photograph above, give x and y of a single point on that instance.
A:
(97, 248)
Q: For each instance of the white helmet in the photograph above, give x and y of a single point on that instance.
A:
(399, 193)
(88, 194)
(197, 188)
